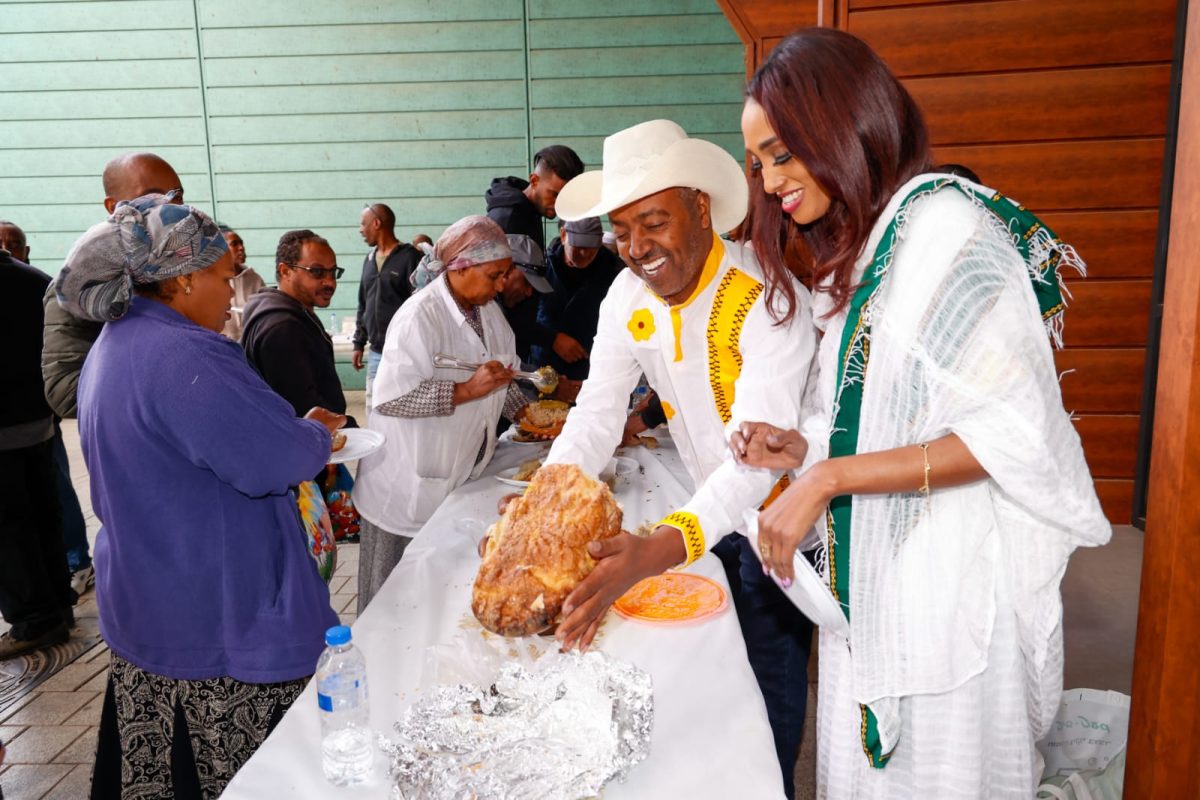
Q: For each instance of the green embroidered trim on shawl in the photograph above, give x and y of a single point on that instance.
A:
(1044, 255)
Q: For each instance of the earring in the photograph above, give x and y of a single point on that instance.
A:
(187, 289)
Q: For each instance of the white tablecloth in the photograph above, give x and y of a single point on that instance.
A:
(711, 738)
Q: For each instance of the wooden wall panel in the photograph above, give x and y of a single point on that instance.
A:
(1108, 313)
(1044, 104)
(1116, 496)
(1012, 35)
(1049, 176)
(1113, 243)
(1095, 380)
(1061, 105)
(1109, 443)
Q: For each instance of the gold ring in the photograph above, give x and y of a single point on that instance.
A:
(765, 547)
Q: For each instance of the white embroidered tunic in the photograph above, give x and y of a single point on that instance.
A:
(716, 360)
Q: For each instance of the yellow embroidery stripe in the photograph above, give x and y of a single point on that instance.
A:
(776, 490)
(677, 329)
(735, 297)
(862, 735)
(831, 559)
(693, 535)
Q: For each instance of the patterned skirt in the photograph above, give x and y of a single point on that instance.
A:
(167, 738)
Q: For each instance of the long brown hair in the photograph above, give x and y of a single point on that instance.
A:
(838, 109)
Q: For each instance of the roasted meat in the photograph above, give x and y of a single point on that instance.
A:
(537, 552)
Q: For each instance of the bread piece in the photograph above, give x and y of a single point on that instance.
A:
(538, 550)
(527, 469)
(339, 440)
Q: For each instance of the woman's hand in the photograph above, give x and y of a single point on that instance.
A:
(622, 561)
(787, 521)
(332, 422)
(759, 444)
(487, 379)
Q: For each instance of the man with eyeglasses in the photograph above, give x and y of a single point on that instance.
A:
(282, 336)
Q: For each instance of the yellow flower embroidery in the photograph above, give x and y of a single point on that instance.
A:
(668, 410)
(641, 325)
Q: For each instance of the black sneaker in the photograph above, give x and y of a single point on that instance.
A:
(11, 647)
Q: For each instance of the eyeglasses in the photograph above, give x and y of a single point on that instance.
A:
(320, 273)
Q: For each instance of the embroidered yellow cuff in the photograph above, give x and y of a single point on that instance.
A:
(693, 535)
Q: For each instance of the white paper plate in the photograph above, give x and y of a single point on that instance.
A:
(808, 591)
(360, 442)
(506, 476)
(616, 467)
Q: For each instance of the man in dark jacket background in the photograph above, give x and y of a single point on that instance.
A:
(68, 339)
(580, 271)
(282, 336)
(518, 207)
(35, 589)
(385, 285)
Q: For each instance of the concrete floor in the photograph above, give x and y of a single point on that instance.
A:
(51, 732)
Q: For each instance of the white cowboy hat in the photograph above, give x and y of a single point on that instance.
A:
(653, 156)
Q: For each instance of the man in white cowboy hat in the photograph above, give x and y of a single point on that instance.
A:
(691, 313)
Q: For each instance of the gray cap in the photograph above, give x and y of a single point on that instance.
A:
(586, 232)
(527, 257)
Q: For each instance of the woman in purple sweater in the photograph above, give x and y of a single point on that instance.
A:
(212, 608)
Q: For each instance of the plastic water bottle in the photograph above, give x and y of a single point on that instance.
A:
(639, 393)
(346, 749)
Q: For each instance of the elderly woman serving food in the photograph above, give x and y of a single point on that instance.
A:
(440, 429)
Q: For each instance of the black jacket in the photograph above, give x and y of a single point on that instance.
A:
(24, 401)
(286, 343)
(573, 307)
(508, 206)
(381, 292)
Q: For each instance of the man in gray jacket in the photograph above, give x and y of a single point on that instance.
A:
(67, 339)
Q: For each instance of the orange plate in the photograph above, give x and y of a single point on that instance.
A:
(671, 599)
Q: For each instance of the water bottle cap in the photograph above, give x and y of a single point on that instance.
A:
(337, 635)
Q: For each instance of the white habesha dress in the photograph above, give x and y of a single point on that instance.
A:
(955, 611)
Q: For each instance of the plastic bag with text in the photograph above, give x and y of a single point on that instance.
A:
(1085, 749)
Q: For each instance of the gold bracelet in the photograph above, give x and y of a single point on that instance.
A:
(925, 455)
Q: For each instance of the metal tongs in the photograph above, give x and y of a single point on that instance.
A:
(544, 379)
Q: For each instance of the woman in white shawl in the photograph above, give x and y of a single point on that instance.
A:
(936, 464)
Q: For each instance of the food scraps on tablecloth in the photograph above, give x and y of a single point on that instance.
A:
(536, 554)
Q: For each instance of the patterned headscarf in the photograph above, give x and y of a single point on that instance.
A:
(145, 241)
(467, 243)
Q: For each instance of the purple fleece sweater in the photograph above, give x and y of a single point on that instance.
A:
(201, 566)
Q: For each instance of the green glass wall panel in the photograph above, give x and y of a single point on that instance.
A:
(283, 114)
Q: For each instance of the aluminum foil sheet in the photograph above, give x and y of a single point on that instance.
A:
(559, 730)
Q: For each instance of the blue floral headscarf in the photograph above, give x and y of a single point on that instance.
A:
(146, 240)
